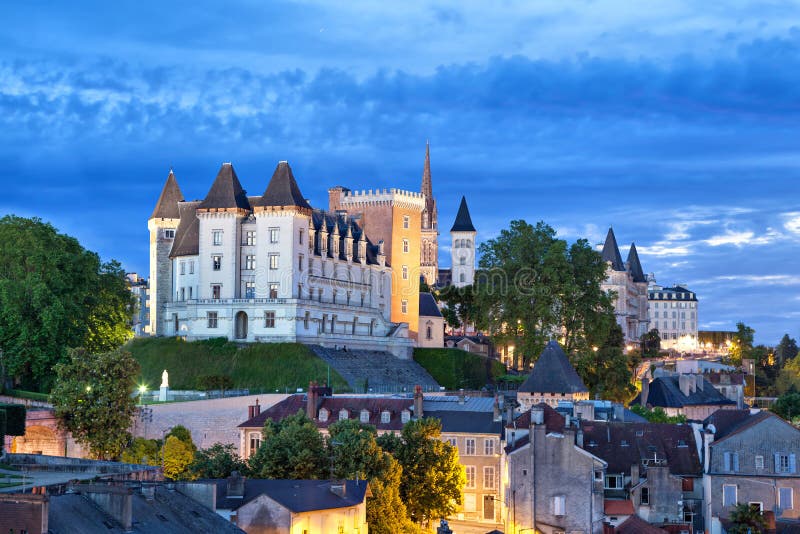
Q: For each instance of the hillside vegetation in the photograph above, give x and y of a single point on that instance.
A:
(257, 366)
(455, 368)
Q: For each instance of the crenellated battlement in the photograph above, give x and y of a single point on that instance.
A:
(374, 197)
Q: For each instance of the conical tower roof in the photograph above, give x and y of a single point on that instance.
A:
(167, 205)
(635, 266)
(226, 191)
(552, 373)
(611, 252)
(282, 189)
(463, 221)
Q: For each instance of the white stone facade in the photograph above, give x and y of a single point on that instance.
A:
(462, 256)
(674, 313)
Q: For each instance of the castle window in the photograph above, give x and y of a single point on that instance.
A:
(250, 262)
(364, 416)
(250, 238)
(300, 236)
(468, 243)
(462, 278)
(405, 245)
(216, 262)
(306, 319)
(183, 293)
(273, 261)
(405, 416)
(428, 332)
(406, 221)
(300, 262)
(190, 292)
(462, 260)
(273, 290)
(211, 318)
(273, 235)
(215, 291)
(385, 416)
(216, 237)
(323, 414)
(249, 290)
(169, 234)
(404, 306)
(343, 415)
(405, 272)
(269, 319)
(191, 267)
(183, 267)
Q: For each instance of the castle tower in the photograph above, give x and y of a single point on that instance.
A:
(429, 247)
(462, 251)
(162, 225)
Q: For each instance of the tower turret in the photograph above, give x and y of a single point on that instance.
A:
(429, 246)
(462, 251)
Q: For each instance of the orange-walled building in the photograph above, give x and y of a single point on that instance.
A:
(394, 217)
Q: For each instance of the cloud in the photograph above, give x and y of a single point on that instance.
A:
(761, 279)
(742, 238)
(792, 222)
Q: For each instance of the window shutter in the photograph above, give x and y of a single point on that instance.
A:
(736, 461)
(792, 464)
(777, 463)
(728, 461)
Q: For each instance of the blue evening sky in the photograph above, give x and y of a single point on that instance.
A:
(676, 122)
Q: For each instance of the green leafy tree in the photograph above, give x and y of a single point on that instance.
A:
(291, 448)
(657, 414)
(608, 371)
(651, 344)
(432, 475)
(786, 350)
(93, 399)
(183, 434)
(355, 454)
(746, 519)
(178, 456)
(741, 344)
(217, 461)
(54, 295)
(142, 451)
(787, 406)
(789, 377)
(460, 304)
(211, 382)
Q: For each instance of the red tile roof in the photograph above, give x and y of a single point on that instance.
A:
(615, 507)
(635, 525)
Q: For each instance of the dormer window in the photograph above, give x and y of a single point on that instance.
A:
(323, 414)
(405, 416)
(343, 414)
(385, 416)
(364, 417)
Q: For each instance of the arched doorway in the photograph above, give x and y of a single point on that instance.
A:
(241, 325)
(38, 440)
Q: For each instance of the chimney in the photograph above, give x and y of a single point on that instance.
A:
(509, 411)
(253, 410)
(686, 384)
(311, 401)
(579, 437)
(537, 415)
(418, 398)
(462, 398)
(235, 486)
(708, 439)
(339, 488)
(698, 382)
(634, 474)
(645, 391)
(496, 408)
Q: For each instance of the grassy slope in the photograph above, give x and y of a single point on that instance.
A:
(455, 368)
(265, 366)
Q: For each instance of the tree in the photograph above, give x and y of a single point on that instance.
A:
(786, 350)
(746, 519)
(607, 371)
(183, 434)
(657, 414)
(212, 382)
(355, 454)
(291, 448)
(142, 451)
(460, 307)
(93, 399)
(54, 295)
(178, 456)
(432, 476)
(741, 344)
(787, 405)
(651, 344)
(217, 461)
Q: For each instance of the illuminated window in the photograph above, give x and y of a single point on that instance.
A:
(470, 471)
(469, 446)
(406, 221)
(273, 235)
(488, 478)
(250, 238)
(404, 306)
(405, 245)
(273, 261)
(488, 447)
(216, 262)
(405, 272)
(250, 262)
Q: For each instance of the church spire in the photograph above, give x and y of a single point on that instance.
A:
(429, 215)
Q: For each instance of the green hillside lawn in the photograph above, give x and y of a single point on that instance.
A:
(455, 368)
(258, 366)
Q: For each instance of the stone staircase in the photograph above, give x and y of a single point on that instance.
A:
(368, 371)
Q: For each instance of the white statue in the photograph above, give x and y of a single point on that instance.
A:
(165, 379)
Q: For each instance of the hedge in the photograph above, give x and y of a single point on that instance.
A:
(14, 419)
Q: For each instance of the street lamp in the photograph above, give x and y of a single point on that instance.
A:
(142, 391)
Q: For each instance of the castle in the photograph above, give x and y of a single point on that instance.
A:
(272, 268)
(629, 285)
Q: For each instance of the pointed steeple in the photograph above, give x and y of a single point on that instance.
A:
(167, 205)
(611, 252)
(463, 221)
(226, 191)
(283, 190)
(429, 218)
(635, 266)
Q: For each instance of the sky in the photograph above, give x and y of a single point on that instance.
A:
(677, 123)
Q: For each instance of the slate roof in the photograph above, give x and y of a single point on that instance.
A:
(427, 306)
(469, 422)
(283, 190)
(463, 222)
(552, 373)
(553, 422)
(730, 422)
(295, 495)
(636, 525)
(187, 236)
(376, 405)
(611, 252)
(452, 403)
(330, 222)
(665, 392)
(167, 205)
(623, 444)
(226, 191)
(635, 265)
(169, 513)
